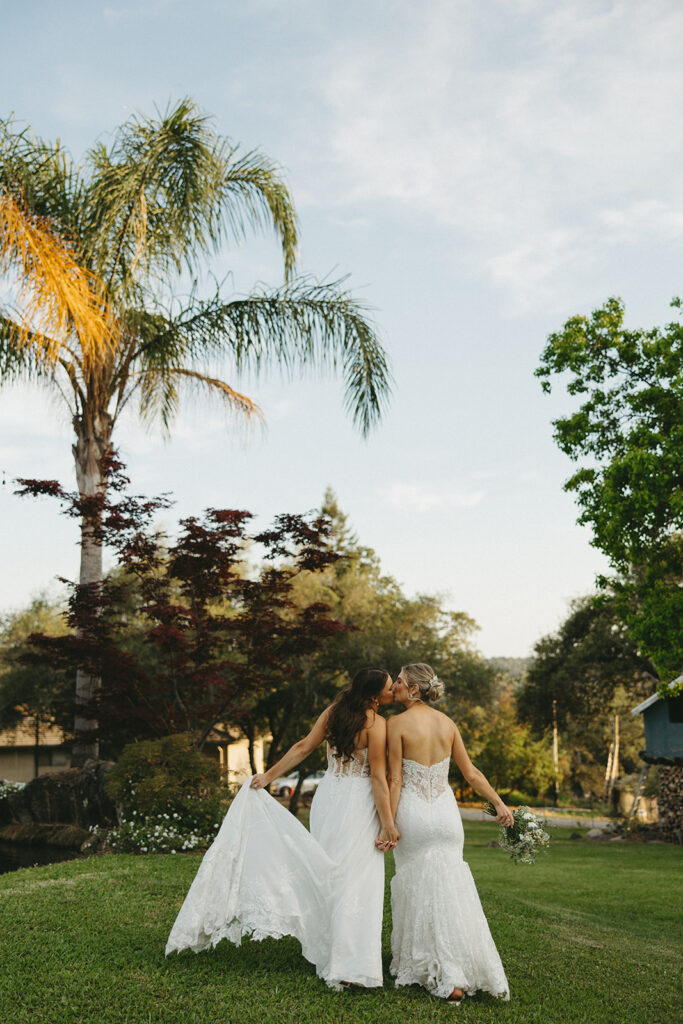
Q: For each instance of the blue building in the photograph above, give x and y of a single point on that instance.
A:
(663, 720)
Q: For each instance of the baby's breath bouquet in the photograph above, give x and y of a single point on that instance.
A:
(525, 837)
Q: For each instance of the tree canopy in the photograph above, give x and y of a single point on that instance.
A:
(581, 665)
(106, 259)
(627, 439)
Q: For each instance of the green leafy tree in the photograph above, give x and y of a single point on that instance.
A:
(627, 439)
(504, 749)
(154, 203)
(383, 627)
(39, 695)
(585, 745)
(580, 666)
(583, 675)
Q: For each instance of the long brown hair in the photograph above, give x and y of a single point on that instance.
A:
(350, 709)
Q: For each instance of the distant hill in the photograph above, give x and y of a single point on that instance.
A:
(511, 668)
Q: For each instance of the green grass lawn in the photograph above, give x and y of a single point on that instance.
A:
(589, 934)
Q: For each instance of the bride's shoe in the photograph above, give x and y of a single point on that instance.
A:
(456, 997)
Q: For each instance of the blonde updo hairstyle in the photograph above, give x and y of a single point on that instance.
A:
(430, 687)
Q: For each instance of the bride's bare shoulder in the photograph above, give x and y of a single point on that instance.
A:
(395, 725)
(444, 720)
(375, 721)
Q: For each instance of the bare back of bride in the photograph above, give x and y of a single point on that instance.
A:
(440, 938)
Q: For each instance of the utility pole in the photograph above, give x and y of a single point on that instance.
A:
(612, 770)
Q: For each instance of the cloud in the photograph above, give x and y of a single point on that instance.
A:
(535, 131)
(426, 499)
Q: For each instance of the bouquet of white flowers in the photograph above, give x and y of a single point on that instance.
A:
(525, 837)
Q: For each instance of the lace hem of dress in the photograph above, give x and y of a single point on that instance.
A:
(440, 937)
(249, 926)
(441, 989)
(428, 782)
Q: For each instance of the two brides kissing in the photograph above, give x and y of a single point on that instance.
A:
(266, 875)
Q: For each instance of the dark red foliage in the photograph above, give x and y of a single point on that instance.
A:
(190, 634)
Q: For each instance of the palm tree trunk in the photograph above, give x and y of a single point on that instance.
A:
(93, 444)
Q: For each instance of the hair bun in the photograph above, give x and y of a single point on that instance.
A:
(423, 679)
(435, 690)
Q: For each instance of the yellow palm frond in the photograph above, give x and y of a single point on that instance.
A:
(238, 402)
(153, 391)
(56, 296)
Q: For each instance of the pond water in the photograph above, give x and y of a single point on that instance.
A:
(14, 855)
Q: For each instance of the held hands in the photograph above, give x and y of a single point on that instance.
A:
(259, 781)
(387, 838)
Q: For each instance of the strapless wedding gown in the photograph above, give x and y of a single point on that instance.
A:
(265, 876)
(440, 936)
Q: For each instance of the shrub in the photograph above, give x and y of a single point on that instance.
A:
(516, 799)
(167, 777)
(169, 798)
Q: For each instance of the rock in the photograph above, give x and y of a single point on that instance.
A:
(576, 835)
(595, 833)
(617, 839)
(75, 796)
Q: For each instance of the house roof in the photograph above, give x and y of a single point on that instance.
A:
(646, 704)
(652, 699)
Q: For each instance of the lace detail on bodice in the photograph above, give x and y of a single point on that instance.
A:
(426, 781)
(356, 765)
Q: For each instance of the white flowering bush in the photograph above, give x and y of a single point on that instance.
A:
(525, 838)
(10, 787)
(169, 798)
(153, 833)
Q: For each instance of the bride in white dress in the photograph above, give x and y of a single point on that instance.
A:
(266, 876)
(440, 937)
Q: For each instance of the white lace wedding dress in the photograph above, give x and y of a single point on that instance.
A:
(440, 936)
(265, 876)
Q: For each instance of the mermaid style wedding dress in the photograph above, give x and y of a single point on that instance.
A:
(440, 938)
(266, 876)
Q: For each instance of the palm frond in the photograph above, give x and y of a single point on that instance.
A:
(169, 189)
(20, 362)
(156, 191)
(56, 296)
(303, 325)
(42, 176)
(159, 393)
(264, 202)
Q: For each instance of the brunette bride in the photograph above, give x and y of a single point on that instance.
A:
(266, 876)
(440, 936)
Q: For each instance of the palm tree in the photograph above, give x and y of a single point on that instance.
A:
(136, 216)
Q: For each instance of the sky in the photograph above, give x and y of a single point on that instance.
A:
(481, 170)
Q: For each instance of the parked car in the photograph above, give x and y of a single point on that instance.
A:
(287, 784)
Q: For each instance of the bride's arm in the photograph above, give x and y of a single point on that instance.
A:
(477, 780)
(395, 763)
(377, 759)
(295, 755)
